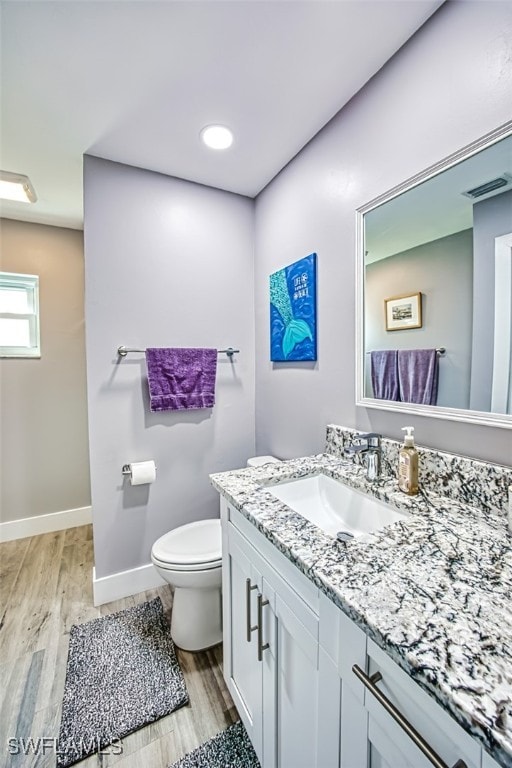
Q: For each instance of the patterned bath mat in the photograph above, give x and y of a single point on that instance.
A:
(228, 749)
(122, 674)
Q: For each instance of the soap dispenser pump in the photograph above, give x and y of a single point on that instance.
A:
(408, 464)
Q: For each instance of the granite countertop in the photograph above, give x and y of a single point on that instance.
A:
(434, 590)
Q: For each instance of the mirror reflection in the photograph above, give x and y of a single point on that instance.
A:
(438, 288)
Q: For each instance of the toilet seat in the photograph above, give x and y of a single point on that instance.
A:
(192, 547)
(166, 565)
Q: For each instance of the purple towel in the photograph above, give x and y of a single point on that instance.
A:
(181, 378)
(385, 374)
(418, 374)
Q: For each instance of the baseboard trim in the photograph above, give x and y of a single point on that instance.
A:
(54, 521)
(124, 583)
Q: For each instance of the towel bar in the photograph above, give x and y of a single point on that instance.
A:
(439, 350)
(123, 351)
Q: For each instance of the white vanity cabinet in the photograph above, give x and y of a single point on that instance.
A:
(289, 658)
(271, 651)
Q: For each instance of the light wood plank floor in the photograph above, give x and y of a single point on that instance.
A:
(45, 588)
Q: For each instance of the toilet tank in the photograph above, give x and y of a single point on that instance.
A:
(258, 461)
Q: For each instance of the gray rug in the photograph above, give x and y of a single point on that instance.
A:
(122, 674)
(228, 749)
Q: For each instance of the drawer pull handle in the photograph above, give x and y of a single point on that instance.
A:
(249, 627)
(416, 738)
(261, 647)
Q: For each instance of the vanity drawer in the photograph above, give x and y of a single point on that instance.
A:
(435, 725)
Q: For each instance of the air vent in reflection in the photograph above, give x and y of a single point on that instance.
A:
(499, 184)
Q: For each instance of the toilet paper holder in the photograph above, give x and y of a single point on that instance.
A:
(127, 470)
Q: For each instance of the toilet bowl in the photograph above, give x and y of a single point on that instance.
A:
(189, 558)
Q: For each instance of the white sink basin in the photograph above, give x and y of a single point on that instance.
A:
(334, 507)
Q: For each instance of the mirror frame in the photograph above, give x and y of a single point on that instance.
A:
(434, 411)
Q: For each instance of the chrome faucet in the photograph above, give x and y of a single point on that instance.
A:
(369, 445)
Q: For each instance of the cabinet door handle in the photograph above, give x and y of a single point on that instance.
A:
(261, 647)
(416, 738)
(249, 627)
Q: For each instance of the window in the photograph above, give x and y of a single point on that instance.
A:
(19, 315)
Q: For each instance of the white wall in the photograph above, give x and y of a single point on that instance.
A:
(167, 263)
(44, 463)
(449, 85)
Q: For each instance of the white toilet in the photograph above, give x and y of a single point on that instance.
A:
(189, 558)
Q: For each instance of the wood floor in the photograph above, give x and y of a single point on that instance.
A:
(45, 588)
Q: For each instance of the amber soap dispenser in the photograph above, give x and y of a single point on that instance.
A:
(408, 464)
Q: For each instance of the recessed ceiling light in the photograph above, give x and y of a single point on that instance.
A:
(15, 186)
(217, 136)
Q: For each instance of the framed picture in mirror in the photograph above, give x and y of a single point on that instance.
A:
(403, 312)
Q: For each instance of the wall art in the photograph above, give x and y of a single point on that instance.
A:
(293, 311)
(403, 312)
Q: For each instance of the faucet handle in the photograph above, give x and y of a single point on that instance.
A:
(362, 442)
(367, 443)
(372, 439)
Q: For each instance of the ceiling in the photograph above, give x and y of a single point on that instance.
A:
(135, 81)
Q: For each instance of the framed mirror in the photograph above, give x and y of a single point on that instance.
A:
(434, 290)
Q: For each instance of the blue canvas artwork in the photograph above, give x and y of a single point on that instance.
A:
(293, 311)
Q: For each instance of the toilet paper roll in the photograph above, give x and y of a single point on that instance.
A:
(142, 472)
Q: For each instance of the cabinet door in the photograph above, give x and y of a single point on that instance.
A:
(296, 691)
(242, 671)
(354, 717)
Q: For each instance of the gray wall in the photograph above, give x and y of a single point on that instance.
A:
(44, 463)
(168, 263)
(443, 271)
(491, 218)
(417, 110)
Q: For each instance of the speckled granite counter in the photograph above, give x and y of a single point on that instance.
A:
(434, 591)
